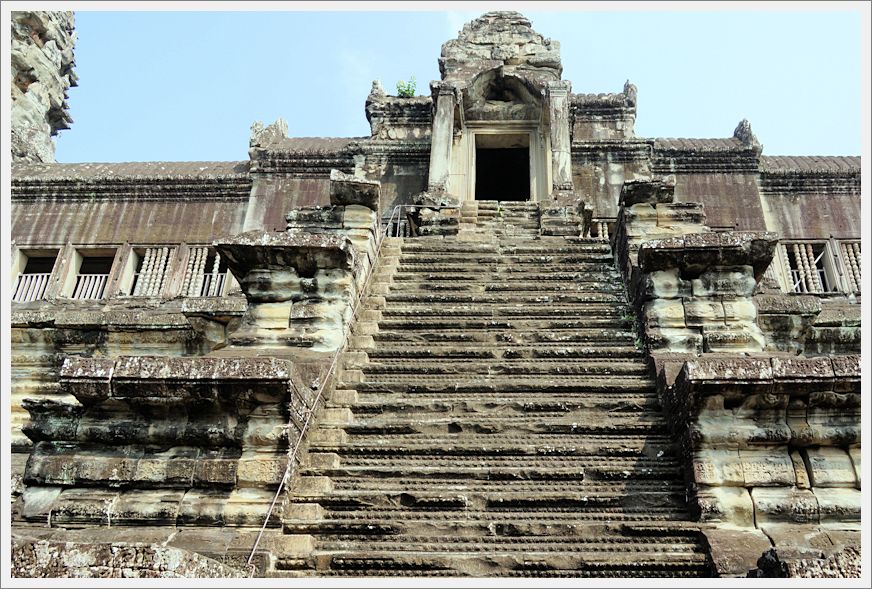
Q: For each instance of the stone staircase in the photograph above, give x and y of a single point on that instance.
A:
(493, 417)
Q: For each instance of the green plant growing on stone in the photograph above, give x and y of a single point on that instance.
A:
(638, 343)
(628, 318)
(406, 89)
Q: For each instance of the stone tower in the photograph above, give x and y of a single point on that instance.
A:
(501, 97)
(42, 72)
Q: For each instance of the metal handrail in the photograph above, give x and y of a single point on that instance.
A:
(322, 383)
(397, 212)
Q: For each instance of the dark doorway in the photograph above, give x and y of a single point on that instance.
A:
(502, 173)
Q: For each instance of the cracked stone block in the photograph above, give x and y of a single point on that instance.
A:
(731, 339)
(703, 312)
(753, 423)
(729, 505)
(264, 470)
(248, 507)
(664, 313)
(774, 505)
(839, 507)
(665, 284)
(674, 339)
(149, 507)
(740, 311)
(733, 551)
(203, 507)
(718, 467)
(680, 214)
(737, 282)
(830, 467)
(767, 467)
(84, 505)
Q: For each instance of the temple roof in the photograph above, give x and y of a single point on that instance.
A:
(314, 144)
(809, 163)
(692, 144)
(98, 172)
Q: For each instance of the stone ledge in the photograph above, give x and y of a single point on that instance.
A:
(49, 559)
(174, 380)
(722, 370)
(695, 252)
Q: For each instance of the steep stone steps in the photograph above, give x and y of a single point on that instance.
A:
(493, 416)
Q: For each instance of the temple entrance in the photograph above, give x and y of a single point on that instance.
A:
(502, 167)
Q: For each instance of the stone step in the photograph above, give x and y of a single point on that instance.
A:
(589, 311)
(467, 367)
(468, 522)
(469, 273)
(507, 466)
(628, 441)
(542, 288)
(501, 562)
(604, 537)
(486, 485)
(508, 318)
(504, 384)
(506, 246)
(435, 299)
(466, 499)
(527, 334)
(536, 404)
(503, 350)
(518, 322)
(568, 260)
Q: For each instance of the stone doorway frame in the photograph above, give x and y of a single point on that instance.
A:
(463, 168)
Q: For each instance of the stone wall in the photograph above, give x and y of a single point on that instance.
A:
(48, 560)
(42, 72)
(771, 439)
(203, 439)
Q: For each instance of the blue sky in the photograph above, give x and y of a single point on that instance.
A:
(187, 85)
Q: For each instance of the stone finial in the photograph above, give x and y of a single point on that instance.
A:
(500, 38)
(262, 136)
(377, 91)
(744, 134)
(630, 91)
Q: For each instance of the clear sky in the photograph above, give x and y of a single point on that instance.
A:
(188, 85)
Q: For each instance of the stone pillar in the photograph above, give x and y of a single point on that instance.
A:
(442, 139)
(557, 97)
(302, 284)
